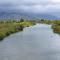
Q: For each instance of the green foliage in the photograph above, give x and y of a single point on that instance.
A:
(11, 27)
(56, 28)
(21, 20)
(55, 25)
(42, 19)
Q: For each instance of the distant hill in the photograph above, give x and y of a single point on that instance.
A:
(18, 15)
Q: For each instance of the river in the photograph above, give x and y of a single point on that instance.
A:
(33, 43)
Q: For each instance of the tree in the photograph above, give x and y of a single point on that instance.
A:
(42, 19)
(21, 20)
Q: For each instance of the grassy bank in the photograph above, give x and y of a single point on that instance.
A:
(7, 28)
(55, 25)
(56, 28)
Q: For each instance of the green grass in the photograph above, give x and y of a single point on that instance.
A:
(12, 27)
(56, 28)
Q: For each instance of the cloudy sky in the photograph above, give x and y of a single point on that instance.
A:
(32, 6)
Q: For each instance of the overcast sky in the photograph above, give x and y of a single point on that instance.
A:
(32, 6)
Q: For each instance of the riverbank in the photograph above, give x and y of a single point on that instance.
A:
(37, 42)
(55, 25)
(7, 28)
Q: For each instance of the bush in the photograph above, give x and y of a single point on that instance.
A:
(7, 33)
(19, 28)
(1, 36)
(21, 20)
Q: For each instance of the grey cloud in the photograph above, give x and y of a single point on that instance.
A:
(27, 2)
(32, 6)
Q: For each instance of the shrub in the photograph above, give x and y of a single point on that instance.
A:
(21, 20)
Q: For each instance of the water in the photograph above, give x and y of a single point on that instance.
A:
(34, 43)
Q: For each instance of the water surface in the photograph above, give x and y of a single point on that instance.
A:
(34, 43)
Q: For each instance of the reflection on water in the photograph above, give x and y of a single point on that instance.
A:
(34, 43)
